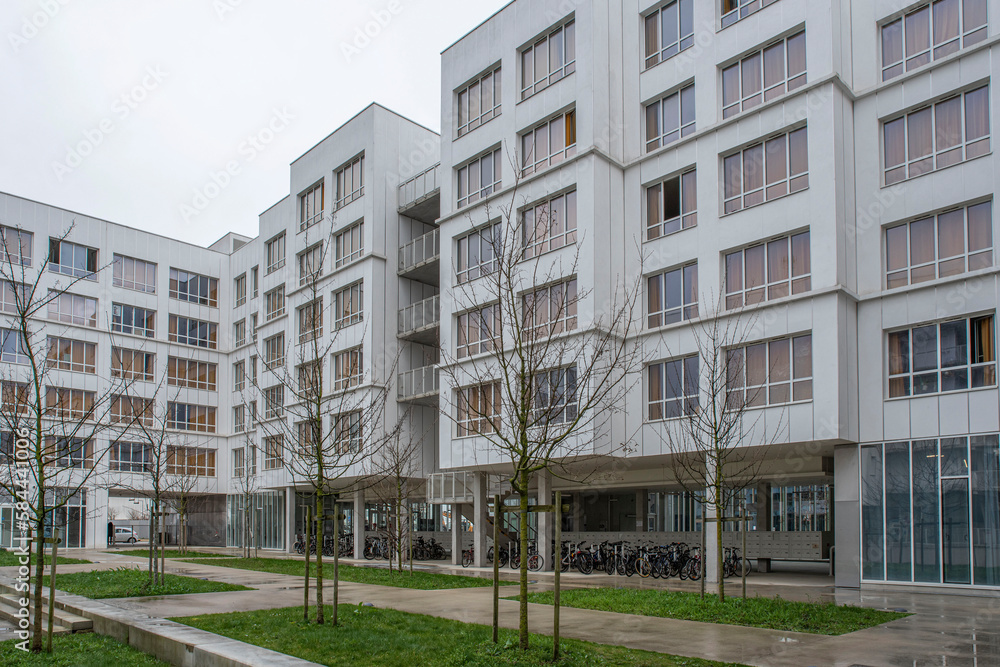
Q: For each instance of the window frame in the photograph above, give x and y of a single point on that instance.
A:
(119, 274)
(466, 123)
(657, 52)
(964, 39)
(562, 124)
(687, 402)
(789, 182)
(274, 253)
(687, 275)
(174, 335)
(205, 293)
(758, 75)
(308, 213)
(905, 381)
(345, 253)
(565, 31)
(145, 317)
(656, 114)
(797, 283)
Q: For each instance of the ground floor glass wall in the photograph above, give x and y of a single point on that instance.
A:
(265, 520)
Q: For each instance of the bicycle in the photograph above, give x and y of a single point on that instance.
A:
(468, 557)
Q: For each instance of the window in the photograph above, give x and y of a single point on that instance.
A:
(669, 30)
(274, 254)
(274, 402)
(673, 296)
(770, 373)
(479, 102)
(548, 144)
(937, 246)
(69, 452)
(931, 32)
(548, 226)
(764, 75)
(347, 433)
(311, 321)
(551, 310)
(132, 364)
(190, 461)
(64, 403)
(240, 289)
(15, 398)
(555, 400)
(348, 306)
(131, 457)
(672, 205)
(351, 181)
(311, 206)
(673, 388)
(734, 10)
(239, 460)
(239, 376)
(134, 274)
(350, 245)
(192, 374)
(253, 370)
(766, 171)
(15, 246)
(189, 331)
(274, 303)
(12, 348)
(671, 118)
(131, 410)
(478, 409)
(311, 264)
(240, 333)
(273, 448)
(768, 271)
(347, 369)
(12, 294)
(949, 356)
(475, 253)
(938, 136)
(133, 320)
(72, 260)
(253, 327)
(477, 331)
(72, 308)
(194, 288)
(311, 378)
(187, 417)
(548, 60)
(66, 354)
(480, 178)
(254, 282)
(274, 351)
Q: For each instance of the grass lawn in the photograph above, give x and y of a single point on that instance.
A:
(168, 553)
(759, 612)
(8, 558)
(388, 638)
(359, 575)
(129, 583)
(80, 650)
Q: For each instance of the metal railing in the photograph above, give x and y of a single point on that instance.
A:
(416, 383)
(419, 187)
(420, 315)
(420, 250)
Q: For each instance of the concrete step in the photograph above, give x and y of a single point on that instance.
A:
(65, 621)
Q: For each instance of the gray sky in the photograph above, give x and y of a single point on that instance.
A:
(123, 109)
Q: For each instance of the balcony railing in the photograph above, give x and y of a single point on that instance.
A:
(421, 250)
(418, 383)
(420, 187)
(420, 315)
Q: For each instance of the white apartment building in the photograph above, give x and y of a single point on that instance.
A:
(824, 168)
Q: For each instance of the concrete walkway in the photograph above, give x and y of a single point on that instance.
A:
(945, 630)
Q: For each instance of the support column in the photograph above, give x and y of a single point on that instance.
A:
(290, 527)
(847, 529)
(359, 525)
(763, 520)
(711, 531)
(546, 520)
(456, 534)
(95, 523)
(480, 518)
(641, 509)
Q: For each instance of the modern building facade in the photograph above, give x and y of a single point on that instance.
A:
(823, 168)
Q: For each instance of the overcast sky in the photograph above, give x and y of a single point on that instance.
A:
(123, 110)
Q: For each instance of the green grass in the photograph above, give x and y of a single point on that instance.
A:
(168, 553)
(389, 638)
(129, 583)
(79, 650)
(759, 612)
(8, 558)
(359, 575)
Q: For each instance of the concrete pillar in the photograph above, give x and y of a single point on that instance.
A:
(456, 534)
(290, 527)
(711, 530)
(546, 520)
(480, 520)
(641, 509)
(359, 525)
(847, 529)
(96, 520)
(763, 520)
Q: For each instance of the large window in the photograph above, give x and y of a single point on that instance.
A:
(480, 178)
(310, 318)
(948, 356)
(15, 246)
(764, 75)
(673, 388)
(189, 331)
(931, 32)
(240, 375)
(131, 410)
(239, 333)
(479, 102)
(766, 171)
(192, 374)
(69, 452)
(274, 254)
(672, 205)
(240, 289)
(132, 365)
(351, 181)
(66, 354)
(474, 253)
(348, 370)
(311, 206)
(477, 331)
(770, 373)
(478, 409)
(673, 296)
(669, 30)
(548, 60)
(187, 417)
(349, 245)
(551, 310)
(72, 308)
(191, 461)
(670, 118)
(549, 225)
(133, 320)
(15, 398)
(131, 457)
(72, 260)
(347, 433)
(65, 403)
(937, 136)
(274, 402)
(239, 422)
(194, 288)
(549, 143)
(555, 399)
(348, 305)
(311, 264)
(13, 297)
(134, 274)
(274, 303)
(768, 271)
(12, 347)
(311, 378)
(734, 10)
(274, 447)
(937, 246)
(274, 352)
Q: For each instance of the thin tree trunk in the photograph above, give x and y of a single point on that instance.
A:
(523, 541)
(719, 515)
(319, 561)
(336, 564)
(36, 638)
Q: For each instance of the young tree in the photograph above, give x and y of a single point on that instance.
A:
(247, 486)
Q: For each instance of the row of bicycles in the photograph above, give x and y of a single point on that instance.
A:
(382, 547)
(346, 545)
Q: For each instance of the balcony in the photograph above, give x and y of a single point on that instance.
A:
(420, 197)
(419, 259)
(418, 386)
(419, 322)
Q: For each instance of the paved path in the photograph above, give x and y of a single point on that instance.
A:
(946, 630)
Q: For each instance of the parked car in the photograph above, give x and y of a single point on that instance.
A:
(125, 535)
